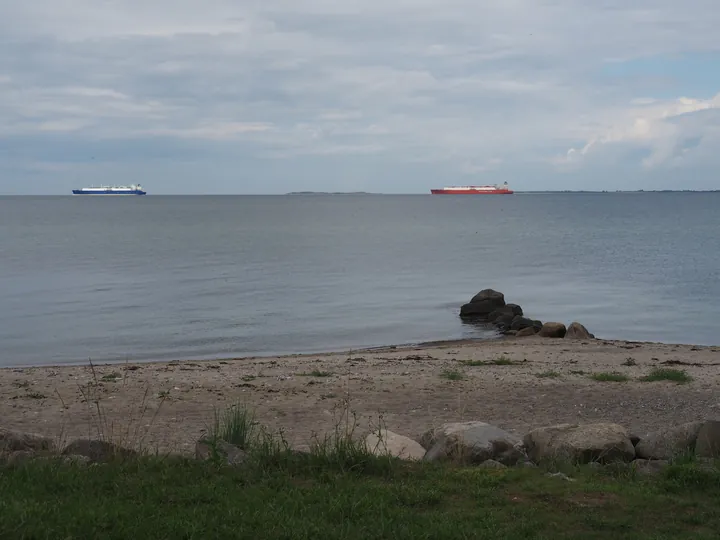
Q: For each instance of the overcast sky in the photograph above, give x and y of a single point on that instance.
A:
(394, 96)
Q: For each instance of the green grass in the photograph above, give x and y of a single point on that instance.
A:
(452, 375)
(609, 377)
(666, 374)
(548, 375)
(501, 361)
(307, 496)
(317, 373)
(235, 425)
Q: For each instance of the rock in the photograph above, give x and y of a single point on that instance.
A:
(15, 441)
(708, 440)
(385, 442)
(519, 322)
(490, 295)
(229, 453)
(580, 443)
(526, 332)
(578, 331)
(649, 466)
(76, 459)
(553, 330)
(670, 442)
(537, 325)
(510, 309)
(20, 456)
(471, 442)
(98, 451)
(634, 439)
(503, 322)
(480, 310)
(527, 465)
(492, 464)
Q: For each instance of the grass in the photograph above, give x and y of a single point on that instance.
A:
(313, 497)
(548, 375)
(607, 376)
(317, 373)
(452, 375)
(630, 361)
(501, 361)
(666, 374)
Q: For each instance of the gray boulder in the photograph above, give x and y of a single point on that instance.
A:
(670, 442)
(526, 332)
(708, 440)
(384, 442)
(489, 295)
(578, 331)
(602, 442)
(479, 310)
(650, 467)
(552, 330)
(471, 442)
(519, 322)
(229, 453)
(98, 451)
(16, 441)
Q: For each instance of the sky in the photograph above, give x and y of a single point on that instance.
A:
(390, 96)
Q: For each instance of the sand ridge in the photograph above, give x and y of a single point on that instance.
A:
(170, 405)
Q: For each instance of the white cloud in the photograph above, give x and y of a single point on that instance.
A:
(472, 87)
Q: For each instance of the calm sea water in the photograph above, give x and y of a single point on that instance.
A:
(151, 278)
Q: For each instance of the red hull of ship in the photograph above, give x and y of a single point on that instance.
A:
(471, 192)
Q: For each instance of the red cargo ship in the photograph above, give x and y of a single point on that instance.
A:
(474, 190)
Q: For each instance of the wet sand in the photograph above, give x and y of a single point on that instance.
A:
(168, 406)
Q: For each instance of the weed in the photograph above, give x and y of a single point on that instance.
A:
(452, 375)
(235, 425)
(501, 361)
(111, 377)
(630, 361)
(609, 377)
(667, 374)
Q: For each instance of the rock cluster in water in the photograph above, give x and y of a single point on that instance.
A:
(489, 307)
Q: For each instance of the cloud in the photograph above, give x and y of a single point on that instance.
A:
(459, 88)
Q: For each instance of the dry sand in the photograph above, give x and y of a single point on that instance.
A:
(170, 405)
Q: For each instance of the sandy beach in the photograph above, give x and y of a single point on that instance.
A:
(168, 406)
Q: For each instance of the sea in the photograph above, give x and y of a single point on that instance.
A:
(116, 279)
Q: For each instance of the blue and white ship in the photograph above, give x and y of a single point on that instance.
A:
(134, 189)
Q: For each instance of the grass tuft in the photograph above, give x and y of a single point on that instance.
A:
(501, 361)
(452, 375)
(667, 374)
(607, 376)
(235, 425)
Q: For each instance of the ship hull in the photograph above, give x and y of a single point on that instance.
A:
(471, 192)
(108, 192)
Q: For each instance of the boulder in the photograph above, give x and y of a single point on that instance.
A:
(649, 467)
(510, 309)
(16, 441)
(526, 332)
(229, 453)
(385, 442)
(503, 322)
(553, 330)
(708, 440)
(471, 442)
(669, 442)
(578, 331)
(479, 310)
(489, 295)
(576, 443)
(519, 322)
(97, 451)
(537, 325)
(492, 464)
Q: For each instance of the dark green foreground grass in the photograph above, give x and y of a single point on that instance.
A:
(186, 499)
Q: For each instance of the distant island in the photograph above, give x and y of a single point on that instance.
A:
(329, 193)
